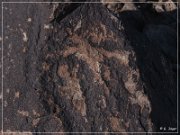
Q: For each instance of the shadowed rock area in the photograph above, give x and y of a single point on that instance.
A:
(90, 67)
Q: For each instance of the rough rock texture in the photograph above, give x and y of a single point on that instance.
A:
(90, 67)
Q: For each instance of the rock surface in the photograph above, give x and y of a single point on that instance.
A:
(90, 67)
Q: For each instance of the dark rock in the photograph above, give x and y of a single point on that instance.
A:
(90, 67)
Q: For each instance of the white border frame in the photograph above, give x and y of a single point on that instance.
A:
(2, 132)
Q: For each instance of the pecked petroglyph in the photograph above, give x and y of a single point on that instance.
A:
(94, 57)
